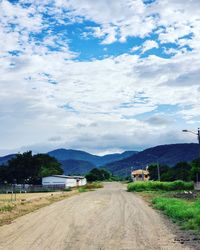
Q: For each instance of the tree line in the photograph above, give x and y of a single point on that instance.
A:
(27, 168)
(181, 171)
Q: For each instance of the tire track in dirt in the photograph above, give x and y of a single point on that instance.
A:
(106, 219)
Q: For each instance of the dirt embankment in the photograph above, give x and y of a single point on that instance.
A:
(106, 219)
(26, 203)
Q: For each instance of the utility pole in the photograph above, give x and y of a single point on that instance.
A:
(157, 165)
(158, 169)
(198, 138)
(198, 135)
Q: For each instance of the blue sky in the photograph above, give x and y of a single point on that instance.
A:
(102, 76)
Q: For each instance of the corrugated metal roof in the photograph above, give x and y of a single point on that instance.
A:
(67, 176)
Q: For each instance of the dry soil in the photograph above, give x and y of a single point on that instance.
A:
(105, 219)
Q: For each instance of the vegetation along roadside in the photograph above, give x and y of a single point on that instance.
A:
(29, 202)
(175, 199)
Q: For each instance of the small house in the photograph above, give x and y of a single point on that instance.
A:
(140, 175)
(64, 181)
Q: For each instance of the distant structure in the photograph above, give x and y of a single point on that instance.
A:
(64, 181)
(140, 175)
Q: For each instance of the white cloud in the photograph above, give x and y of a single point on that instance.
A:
(101, 104)
(149, 44)
(133, 18)
(127, 17)
(135, 48)
(109, 92)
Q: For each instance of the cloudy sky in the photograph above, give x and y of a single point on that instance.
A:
(101, 76)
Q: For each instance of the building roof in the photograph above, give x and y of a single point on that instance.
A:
(140, 171)
(67, 176)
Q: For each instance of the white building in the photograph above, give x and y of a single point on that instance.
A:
(63, 180)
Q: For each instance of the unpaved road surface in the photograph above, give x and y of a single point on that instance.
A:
(106, 219)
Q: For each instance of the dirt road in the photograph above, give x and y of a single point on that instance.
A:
(106, 219)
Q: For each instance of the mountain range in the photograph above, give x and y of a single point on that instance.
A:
(163, 154)
(81, 162)
(76, 167)
(6, 158)
(77, 161)
(69, 154)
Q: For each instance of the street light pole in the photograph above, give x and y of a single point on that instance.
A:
(198, 138)
(195, 133)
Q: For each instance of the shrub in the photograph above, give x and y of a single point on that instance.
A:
(90, 186)
(184, 212)
(67, 189)
(93, 185)
(97, 174)
(82, 189)
(157, 185)
(6, 208)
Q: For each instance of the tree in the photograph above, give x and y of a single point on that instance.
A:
(195, 171)
(181, 171)
(23, 169)
(97, 174)
(48, 165)
(3, 174)
(153, 171)
(28, 168)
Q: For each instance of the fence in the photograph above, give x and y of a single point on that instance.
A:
(26, 188)
(197, 186)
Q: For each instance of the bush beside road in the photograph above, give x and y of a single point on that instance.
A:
(175, 199)
(185, 213)
(157, 185)
(25, 203)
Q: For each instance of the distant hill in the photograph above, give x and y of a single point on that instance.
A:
(115, 157)
(77, 161)
(70, 154)
(6, 158)
(76, 167)
(164, 154)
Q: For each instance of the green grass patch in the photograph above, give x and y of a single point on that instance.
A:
(158, 185)
(83, 189)
(90, 187)
(6, 208)
(68, 189)
(94, 185)
(187, 214)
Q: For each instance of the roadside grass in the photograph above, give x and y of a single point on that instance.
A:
(29, 202)
(185, 213)
(25, 196)
(90, 187)
(7, 208)
(174, 199)
(157, 185)
(26, 203)
(83, 189)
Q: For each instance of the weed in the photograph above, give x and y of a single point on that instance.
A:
(187, 214)
(93, 185)
(157, 185)
(6, 208)
(83, 189)
(67, 189)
